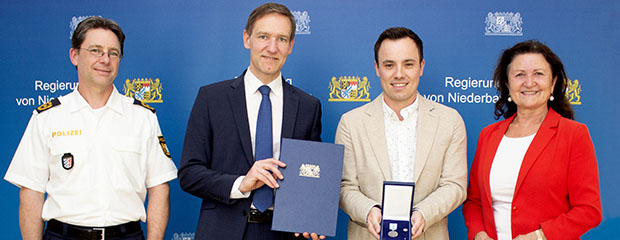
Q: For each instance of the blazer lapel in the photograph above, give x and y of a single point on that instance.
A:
(290, 105)
(236, 97)
(545, 132)
(486, 160)
(375, 130)
(426, 131)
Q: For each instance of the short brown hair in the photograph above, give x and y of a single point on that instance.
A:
(93, 23)
(269, 8)
(395, 33)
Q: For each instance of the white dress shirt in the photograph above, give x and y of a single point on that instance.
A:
(503, 180)
(253, 97)
(116, 156)
(401, 140)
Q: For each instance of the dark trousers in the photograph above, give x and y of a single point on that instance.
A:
(262, 231)
(49, 235)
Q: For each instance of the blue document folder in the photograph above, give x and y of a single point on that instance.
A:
(307, 200)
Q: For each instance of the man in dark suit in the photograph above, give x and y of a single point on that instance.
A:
(221, 162)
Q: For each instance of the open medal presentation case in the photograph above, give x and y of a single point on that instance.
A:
(396, 210)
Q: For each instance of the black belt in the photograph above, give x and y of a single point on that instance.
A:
(93, 233)
(256, 216)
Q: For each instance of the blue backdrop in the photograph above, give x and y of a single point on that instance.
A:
(187, 44)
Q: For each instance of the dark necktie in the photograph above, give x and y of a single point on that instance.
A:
(263, 197)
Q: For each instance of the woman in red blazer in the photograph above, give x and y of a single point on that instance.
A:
(535, 174)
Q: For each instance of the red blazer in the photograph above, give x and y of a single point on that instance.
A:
(557, 187)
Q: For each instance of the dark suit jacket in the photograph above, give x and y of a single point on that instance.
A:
(218, 149)
(557, 187)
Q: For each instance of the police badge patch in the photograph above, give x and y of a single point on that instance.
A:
(54, 102)
(164, 147)
(67, 161)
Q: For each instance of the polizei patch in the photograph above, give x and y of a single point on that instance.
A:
(67, 161)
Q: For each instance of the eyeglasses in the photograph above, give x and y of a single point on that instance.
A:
(97, 52)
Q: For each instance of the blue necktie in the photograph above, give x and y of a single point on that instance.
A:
(263, 197)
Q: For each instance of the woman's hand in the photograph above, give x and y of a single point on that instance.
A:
(482, 236)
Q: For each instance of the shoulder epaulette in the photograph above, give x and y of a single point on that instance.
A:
(138, 102)
(48, 105)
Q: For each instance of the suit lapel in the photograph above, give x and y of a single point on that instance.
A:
(236, 97)
(426, 132)
(290, 105)
(375, 130)
(545, 132)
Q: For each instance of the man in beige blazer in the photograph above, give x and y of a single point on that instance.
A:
(402, 136)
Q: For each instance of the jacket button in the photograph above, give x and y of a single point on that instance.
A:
(244, 213)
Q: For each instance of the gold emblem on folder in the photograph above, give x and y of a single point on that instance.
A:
(310, 170)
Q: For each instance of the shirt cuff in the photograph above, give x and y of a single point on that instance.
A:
(235, 193)
(420, 210)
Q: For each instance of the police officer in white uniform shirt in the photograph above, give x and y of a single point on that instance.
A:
(95, 152)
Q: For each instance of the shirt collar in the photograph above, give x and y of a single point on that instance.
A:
(115, 101)
(406, 112)
(252, 83)
(77, 102)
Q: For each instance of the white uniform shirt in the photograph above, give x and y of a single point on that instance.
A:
(116, 152)
(401, 140)
(503, 180)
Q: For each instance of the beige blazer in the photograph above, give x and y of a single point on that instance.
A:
(440, 171)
